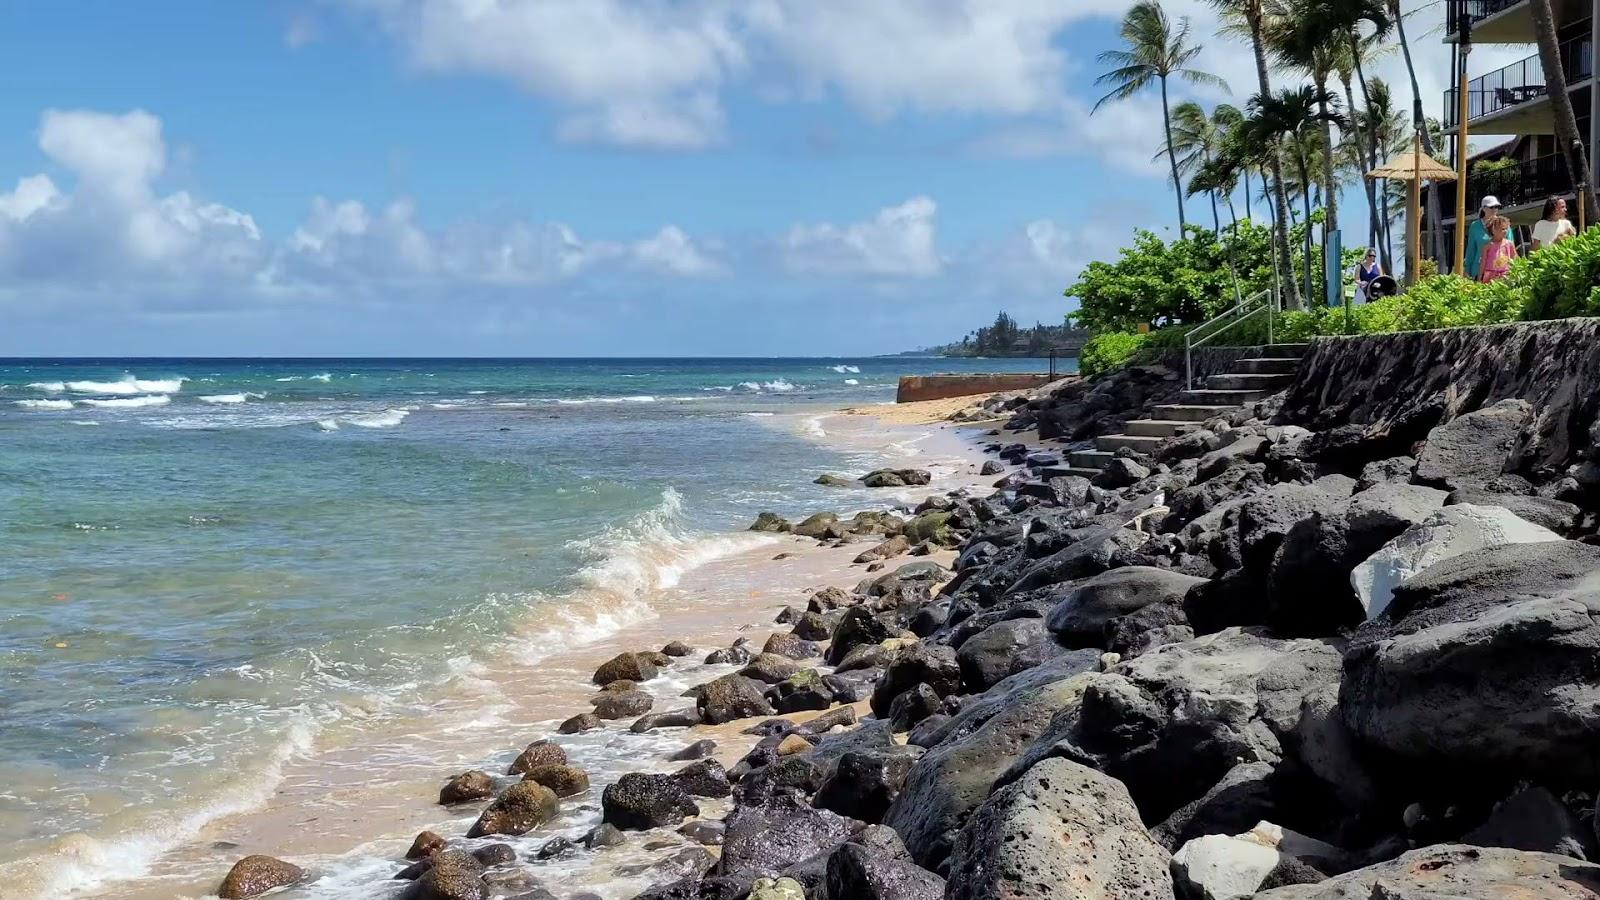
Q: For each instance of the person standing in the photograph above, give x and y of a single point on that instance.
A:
(1478, 236)
(1366, 271)
(1553, 226)
(1498, 252)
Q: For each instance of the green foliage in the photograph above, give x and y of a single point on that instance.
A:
(1178, 282)
(1558, 281)
(1109, 350)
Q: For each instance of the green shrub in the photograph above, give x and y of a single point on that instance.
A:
(1109, 350)
(1558, 281)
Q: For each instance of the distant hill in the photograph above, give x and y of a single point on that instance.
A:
(1005, 338)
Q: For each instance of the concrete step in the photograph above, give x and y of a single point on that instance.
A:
(1238, 381)
(1268, 365)
(1294, 350)
(1181, 413)
(1093, 460)
(1141, 443)
(1162, 428)
(1219, 397)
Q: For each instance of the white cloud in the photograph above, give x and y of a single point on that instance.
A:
(671, 251)
(32, 194)
(899, 240)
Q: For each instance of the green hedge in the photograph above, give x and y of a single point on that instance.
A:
(1109, 350)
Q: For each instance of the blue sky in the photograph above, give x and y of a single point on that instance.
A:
(562, 177)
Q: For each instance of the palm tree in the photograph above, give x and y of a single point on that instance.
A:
(1249, 17)
(1305, 36)
(1295, 120)
(1195, 139)
(1348, 58)
(1155, 52)
(1398, 19)
(1218, 174)
(1555, 78)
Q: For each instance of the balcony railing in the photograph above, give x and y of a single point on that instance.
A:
(1519, 83)
(1531, 181)
(1472, 11)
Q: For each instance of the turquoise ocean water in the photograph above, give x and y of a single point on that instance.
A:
(208, 563)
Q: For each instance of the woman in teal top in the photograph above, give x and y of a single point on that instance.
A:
(1478, 235)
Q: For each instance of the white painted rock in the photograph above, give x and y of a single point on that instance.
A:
(1451, 531)
(1219, 867)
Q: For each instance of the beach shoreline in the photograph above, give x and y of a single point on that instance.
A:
(321, 811)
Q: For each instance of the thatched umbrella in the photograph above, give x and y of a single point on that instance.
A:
(1414, 166)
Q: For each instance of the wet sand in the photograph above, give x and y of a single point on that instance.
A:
(348, 813)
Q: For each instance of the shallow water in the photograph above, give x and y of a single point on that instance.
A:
(215, 570)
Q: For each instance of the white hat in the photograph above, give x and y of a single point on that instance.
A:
(1490, 202)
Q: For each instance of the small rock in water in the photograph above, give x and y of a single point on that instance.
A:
(563, 781)
(538, 753)
(255, 875)
(425, 844)
(580, 723)
(697, 750)
(638, 802)
(632, 666)
(468, 786)
(704, 832)
(523, 807)
(677, 648)
(604, 835)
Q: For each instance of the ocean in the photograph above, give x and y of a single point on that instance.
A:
(214, 568)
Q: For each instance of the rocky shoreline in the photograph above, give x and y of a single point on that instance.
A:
(1260, 661)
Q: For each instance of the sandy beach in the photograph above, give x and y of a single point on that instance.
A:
(349, 810)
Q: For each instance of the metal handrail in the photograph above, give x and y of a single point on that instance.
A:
(1265, 299)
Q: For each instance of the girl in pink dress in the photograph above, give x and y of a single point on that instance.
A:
(1498, 253)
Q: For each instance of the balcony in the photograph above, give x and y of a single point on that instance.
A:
(1506, 21)
(1526, 185)
(1473, 11)
(1515, 94)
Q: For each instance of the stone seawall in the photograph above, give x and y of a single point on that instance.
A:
(1399, 386)
(940, 387)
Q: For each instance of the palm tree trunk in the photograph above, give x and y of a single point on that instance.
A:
(1305, 197)
(1216, 221)
(1292, 301)
(1374, 191)
(1330, 183)
(1435, 213)
(1367, 184)
(1172, 157)
(1555, 78)
(1248, 211)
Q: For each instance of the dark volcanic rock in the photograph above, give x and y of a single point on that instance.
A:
(453, 875)
(706, 778)
(677, 718)
(563, 781)
(1080, 618)
(1557, 515)
(424, 845)
(863, 783)
(638, 801)
(1485, 661)
(523, 807)
(922, 663)
(1475, 448)
(770, 668)
(801, 691)
(256, 875)
(622, 704)
(1014, 846)
(1534, 819)
(1002, 650)
(793, 646)
(698, 750)
(580, 723)
(760, 841)
(875, 866)
(912, 707)
(732, 697)
(856, 628)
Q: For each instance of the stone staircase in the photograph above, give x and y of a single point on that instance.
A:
(1271, 370)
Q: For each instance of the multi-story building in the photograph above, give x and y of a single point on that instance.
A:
(1512, 103)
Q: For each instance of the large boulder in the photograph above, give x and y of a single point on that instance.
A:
(1449, 532)
(863, 783)
(523, 807)
(896, 477)
(1547, 512)
(875, 866)
(451, 875)
(1171, 724)
(1222, 867)
(257, 874)
(622, 704)
(1457, 872)
(563, 781)
(638, 801)
(1472, 449)
(474, 784)
(1002, 650)
(922, 663)
(1485, 661)
(970, 752)
(1534, 819)
(857, 627)
(761, 840)
(1080, 618)
(538, 753)
(1091, 552)
(731, 697)
(1061, 829)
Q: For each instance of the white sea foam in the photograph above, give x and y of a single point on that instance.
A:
(813, 427)
(127, 386)
(853, 370)
(582, 401)
(851, 381)
(325, 377)
(628, 564)
(779, 385)
(80, 862)
(49, 387)
(44, 404)
(328, 424)
(128, 402)
(761, 415)
(230, 398)
(389, 418)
